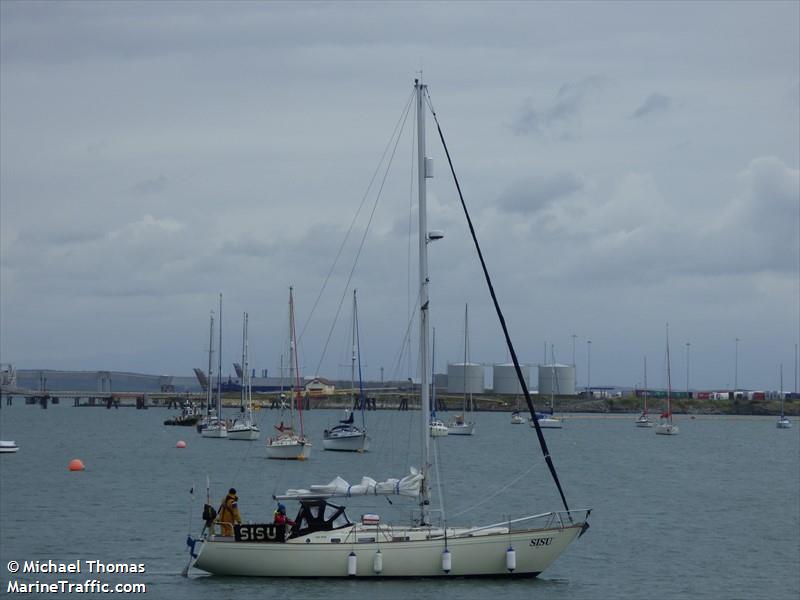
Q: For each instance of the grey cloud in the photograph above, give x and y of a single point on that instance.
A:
(534, 194)
(147, 187)
(655, 104)
(561, 118)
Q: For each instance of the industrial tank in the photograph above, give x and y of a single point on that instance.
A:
(557, 379)
(456, 374)
(506, 381)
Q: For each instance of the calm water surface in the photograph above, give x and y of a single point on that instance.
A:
(711, 513)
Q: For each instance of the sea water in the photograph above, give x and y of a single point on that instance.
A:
(711, 513)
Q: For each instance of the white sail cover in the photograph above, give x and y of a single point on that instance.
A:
(407, 486)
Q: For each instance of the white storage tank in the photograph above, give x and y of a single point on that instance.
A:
(460, 373)
(557, 379)
(506, 381)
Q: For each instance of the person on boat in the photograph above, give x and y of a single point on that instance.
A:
(229, 512)
(280, 516)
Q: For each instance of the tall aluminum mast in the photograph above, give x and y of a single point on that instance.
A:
(425, 408)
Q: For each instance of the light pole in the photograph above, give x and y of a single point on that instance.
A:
(688, 345)
(589, 368)
(573, 350)
(736, 369)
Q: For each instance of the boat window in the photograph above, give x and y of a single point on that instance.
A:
(318, 515)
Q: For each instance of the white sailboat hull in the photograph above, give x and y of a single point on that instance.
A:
(643, 421)
(214, 432)
(667, 429)
(461, 429)
(438, 430)
(549, 423)
(246, 433)
(783, 423)
(481, 555)
(294, 450)
(8, 447)
(353, 442)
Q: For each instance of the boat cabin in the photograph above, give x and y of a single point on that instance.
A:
(318, 515)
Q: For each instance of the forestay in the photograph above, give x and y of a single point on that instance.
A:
(407, 486)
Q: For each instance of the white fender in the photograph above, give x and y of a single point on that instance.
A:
(511, 559)
(377, 562)
(352, 564)
(447, 561)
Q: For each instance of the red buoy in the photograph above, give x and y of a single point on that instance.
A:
(180, 444)
(76, 465)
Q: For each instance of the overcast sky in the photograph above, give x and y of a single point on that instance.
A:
(627, 165)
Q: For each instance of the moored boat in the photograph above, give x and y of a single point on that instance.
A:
(323, 542)
(8, 447)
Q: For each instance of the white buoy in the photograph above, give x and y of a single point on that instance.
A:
(352, 564)
(511, 559)
(377, 562)
(447, 561)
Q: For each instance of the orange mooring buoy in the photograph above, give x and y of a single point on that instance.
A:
(180, 444)
(76, 465)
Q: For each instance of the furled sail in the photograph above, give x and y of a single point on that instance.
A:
(407, 486)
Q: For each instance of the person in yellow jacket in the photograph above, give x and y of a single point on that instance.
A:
(229, 512)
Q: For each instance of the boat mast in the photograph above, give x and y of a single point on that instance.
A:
(464, 372)
(361, 397)
(555, 379)
(669, 383)
(421, 89)
(219, 366)
(780, 391)
(243, 393)
(246, 363)
(645, 385)
(353, 357)
(293, 358)
(210, 384)
(291, 362)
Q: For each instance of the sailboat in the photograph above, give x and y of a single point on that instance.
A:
(324, 542)
(346, 436)
(213, 426)
(288, 444)
(8, 447)
(244, 426)
(666, 426)
(783, 420)
(459, 425)
(644, 419)
(436, 426)
(549, 420)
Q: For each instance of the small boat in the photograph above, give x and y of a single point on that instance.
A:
(244, 426)
(288, 444)
(190, 415)
(547, 421)
(212, 426)
(666, 426)
(8, 447)
(346, 436)
(437, 427)
(783, 420)
(459, 425)
(644, 418)
(516, 418)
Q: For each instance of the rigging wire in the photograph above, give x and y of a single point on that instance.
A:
(400, 120)
(363, 241)
(496, 492)
(512, 352)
